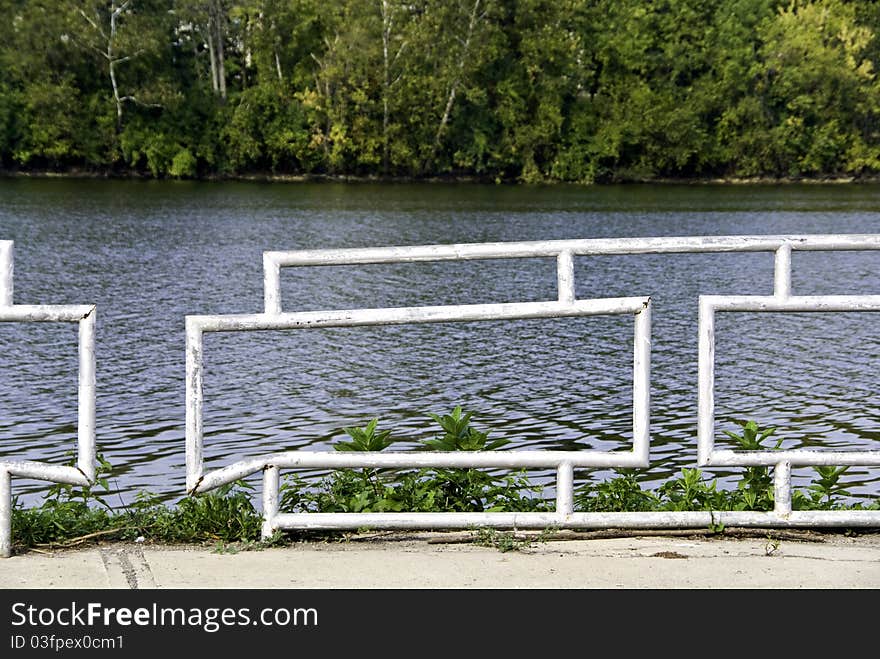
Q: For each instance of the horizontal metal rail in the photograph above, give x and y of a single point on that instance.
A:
(410, 315)
(45, 313)
(273, 261)
(631, 520)
(418, 459)
(84, 473)
(563, 516)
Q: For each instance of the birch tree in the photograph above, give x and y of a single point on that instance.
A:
(208, 21)
(103, 35)
(449, 43)
(466, 45)
(216, 34)
(393, 45)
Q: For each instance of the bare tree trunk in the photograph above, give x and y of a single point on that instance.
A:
(322, 86)
(388, 81)
(216, 27)
(114, 12)
(107, 50)
(221, 62)
(213, 56)
(387, 21)
(456, 80)
(278, 67)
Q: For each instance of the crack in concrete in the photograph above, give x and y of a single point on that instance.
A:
(127, 569)
(128, 565)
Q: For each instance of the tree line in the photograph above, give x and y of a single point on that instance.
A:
(527, 90)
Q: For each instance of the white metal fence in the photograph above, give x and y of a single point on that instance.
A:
(84, 471)
(566, 305)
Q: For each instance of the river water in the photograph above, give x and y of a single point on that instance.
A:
(149, 253)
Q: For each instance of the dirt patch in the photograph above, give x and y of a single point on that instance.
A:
(668, 554)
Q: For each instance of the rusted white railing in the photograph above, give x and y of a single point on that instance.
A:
(566, 305)
(84, 471)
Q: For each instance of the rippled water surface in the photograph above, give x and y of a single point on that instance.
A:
(149, 253)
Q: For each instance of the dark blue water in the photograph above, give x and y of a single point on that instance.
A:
(149, 253)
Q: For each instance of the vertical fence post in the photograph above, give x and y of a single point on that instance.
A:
(706, 383)
(782, 471)
(86, 418)
(193, 405)
(5, 514)
(642, 385)
(565, 489)
(270, 500)
(271, 284)
(6, 264)
(782, 488)
(565, 276)
(782, 272)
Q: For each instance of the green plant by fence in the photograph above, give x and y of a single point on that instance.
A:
(71, 515)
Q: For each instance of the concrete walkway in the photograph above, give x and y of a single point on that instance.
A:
(438, 560)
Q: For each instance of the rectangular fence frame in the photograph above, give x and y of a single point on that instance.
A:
(564, 251)
(563, 461)
(84, 472)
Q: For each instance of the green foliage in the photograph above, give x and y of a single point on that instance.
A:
(143, 147)
(475, 490)
(756, 485)
(825, 490)
(752, 437)
(53, 122)
(423, 490)
(691, 491)
(463, 490)
(71, 514)
(268, 130)
(622, 493)
(505, 541)
(225, 516)
(459, 435)
(528, 91)
(183, 165)
(809, 102)
(68, 511)
(365, 439)
(56, 521)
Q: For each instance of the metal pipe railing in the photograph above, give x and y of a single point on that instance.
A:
(564, 252)
(273, 261)
(566, 304)
(84, 473)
